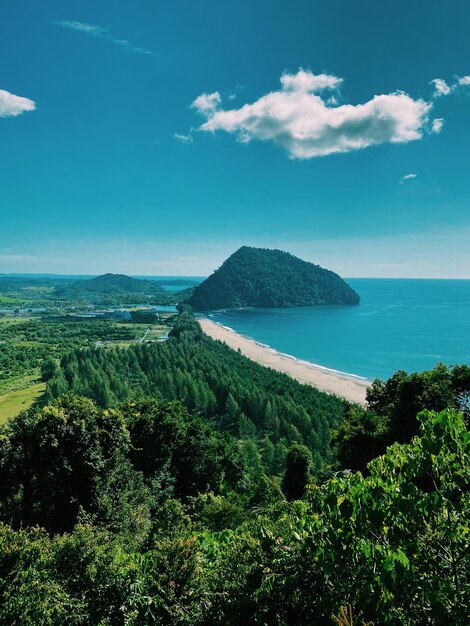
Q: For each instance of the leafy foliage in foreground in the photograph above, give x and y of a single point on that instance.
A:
(392, 546)
(73, 458)
(258, 277)
(395, 544)
(392, 409)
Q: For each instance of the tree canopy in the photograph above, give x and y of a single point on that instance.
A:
(233, 393)
(392, 409)
(388, 549)
(181, 484)
(258, 277)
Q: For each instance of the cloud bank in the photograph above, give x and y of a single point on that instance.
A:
(306, 121)
(439, 253)
(100, 32)
(11, 105)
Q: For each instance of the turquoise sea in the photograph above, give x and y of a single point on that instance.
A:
(400, 324)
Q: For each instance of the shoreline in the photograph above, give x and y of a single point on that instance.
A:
(348, 386)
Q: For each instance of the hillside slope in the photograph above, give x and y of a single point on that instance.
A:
(258, 277)
(112, 284)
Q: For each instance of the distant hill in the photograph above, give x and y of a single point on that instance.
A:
(111, 284)
(12, 282)
(258, 277)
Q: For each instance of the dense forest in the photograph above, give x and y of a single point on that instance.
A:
(27, 343)
(145, 515)
(258, 277)
(232, 392)
(193, 487)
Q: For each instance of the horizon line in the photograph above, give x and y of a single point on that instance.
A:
(50, 274)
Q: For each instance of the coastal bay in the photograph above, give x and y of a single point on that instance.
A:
(348, 387)
(400, 324)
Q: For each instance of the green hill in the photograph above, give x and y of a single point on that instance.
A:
(258, 277)
(111, 284)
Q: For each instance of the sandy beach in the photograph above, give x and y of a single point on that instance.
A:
(348, 387)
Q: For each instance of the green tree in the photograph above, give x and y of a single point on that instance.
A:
(54, 458)
(394, 545)
(362, 435)
(296, 475)
(48, 368)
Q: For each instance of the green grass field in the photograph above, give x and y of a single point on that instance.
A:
(15, 383)
(14, 320)
(14, 402)
(17, 393)
(157, 331)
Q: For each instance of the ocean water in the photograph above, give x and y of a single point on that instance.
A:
(403, 324)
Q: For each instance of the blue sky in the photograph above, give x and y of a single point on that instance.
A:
(156, 137)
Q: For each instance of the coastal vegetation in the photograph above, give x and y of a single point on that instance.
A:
(258, 277)
(25, 343)
(181, 484)
(270, 443)
(392, 409)
(232, 392)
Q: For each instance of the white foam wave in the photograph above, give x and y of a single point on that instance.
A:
(291, 356)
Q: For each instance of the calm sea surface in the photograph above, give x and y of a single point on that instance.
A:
(400, 324)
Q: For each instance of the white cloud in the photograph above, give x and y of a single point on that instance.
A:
(298, 119)
(437, 125)
(207, 103)
(83, 27)
(403, 179)
(441, 87)
(94, 30)
(307, 82)
(11, 105)
(183, 138)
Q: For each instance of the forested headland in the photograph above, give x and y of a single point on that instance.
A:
(258, 277)
(182, 484)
